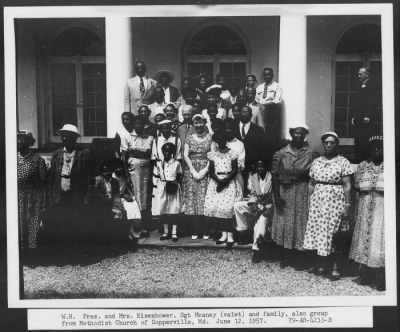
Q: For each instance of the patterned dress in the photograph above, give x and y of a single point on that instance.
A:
(291, 166)
(194, 192)
(368, 245)
(31, 171)
(140, 170)
(326, 203)
(220, 205)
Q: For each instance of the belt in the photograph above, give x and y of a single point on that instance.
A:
(223, 173)
(328, 183)
(66, 176)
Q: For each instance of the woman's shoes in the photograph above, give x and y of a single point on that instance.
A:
(165, 236)
(334, 276)
(194, 237)
(174, 238)
(206, 237)
(220, 241)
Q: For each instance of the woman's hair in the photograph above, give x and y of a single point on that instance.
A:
(31, 140)
(170, 105)
(230, 122)
(128, 114)
(291, 130)
(218, 123)
(169, 145)
(330, 134)
(220, 137)
(144, 105)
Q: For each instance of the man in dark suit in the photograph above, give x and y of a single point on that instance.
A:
(366, 113)
(139, 89)
(253, 139)
(164, 79)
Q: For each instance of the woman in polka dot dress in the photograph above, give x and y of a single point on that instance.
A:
(329, 192)
(31, 170)
(222, 190)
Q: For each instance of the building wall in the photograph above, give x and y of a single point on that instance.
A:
(160, 42)
(26, 80)
(323, 35)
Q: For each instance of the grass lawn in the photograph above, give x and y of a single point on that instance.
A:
(180, 272)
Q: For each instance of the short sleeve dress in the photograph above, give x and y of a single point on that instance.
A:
(194, 191)
(326, 203)
(220, 205)
(368, 245)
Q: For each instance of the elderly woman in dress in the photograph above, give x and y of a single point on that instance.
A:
(136, 153)
(329, 190)
(195, 177)
(31, 171)
(290, 168)
(368, 245)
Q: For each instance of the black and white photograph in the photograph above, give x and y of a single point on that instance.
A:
(200, 155)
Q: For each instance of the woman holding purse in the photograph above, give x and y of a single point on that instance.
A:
(329, 190)
(195, 175)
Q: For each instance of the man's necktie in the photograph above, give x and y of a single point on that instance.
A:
(142, 89)
(265, 91)
(243, 132)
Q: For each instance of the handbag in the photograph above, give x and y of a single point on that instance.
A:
(171, 187)
(341, 240)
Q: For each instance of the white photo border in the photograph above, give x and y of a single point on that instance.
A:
(385, 10)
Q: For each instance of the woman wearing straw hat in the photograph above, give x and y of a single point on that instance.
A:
(68, 181)
(31, 171)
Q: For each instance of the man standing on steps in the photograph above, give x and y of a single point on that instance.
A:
(366, 117)
(139, 89)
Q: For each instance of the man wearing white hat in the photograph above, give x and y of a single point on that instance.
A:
(68, 181)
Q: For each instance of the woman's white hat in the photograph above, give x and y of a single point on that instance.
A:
(70, 128)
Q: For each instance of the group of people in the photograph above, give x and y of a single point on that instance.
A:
(209, 160)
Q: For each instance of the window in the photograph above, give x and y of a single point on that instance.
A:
(77, 79)
(359, 47)
(218, 49)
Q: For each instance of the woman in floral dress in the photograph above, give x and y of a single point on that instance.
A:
(31, 170)
(329, 192)
(368, 245)
(222, 188)
(195, 176)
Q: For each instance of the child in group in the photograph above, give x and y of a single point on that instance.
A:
(170, 173)
(129, 207)
(104, 195)
(222, 188)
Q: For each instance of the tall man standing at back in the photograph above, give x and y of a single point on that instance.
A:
(269, 94)
(139, 89)
(366, 115)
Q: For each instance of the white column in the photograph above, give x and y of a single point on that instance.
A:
(292, 68)
(118, 68)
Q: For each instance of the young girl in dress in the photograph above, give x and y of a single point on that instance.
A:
(129, 207)
(222, 188)
(170, 174)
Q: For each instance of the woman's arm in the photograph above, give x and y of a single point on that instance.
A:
(347, 194)
(311, 186)
(126, 171)
(211, 172)
(186, 157)
(279, 202)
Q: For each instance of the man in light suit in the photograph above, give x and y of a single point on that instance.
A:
(139, 89)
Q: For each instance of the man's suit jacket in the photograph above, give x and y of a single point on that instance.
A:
(79, 176)
(254, 143)
(133, 98)
(173, 94)
(367, 102)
